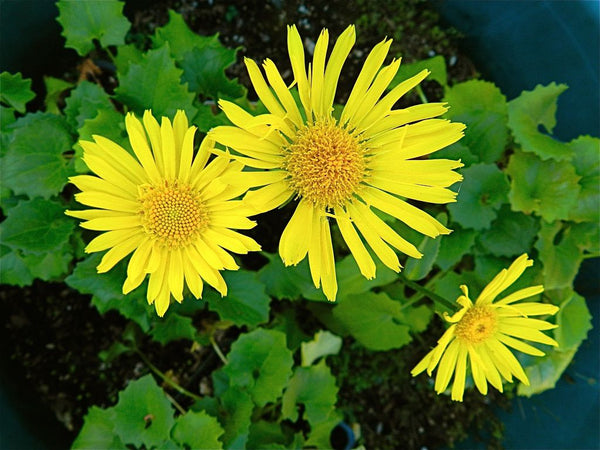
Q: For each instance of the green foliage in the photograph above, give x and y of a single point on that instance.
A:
(83, 22)
(15, 91)
(436, 65)
(481, 194)
(482, 107)
(587, 165)
(35, 163)
(197, 430)
(324, 343)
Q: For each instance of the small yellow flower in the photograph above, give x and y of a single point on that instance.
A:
(481, 331)
(166, 206)
(345, 165)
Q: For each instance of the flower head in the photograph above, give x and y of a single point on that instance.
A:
(481, 333)
(166, 206)
(341, 166)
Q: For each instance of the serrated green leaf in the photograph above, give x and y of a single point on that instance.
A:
(481, 194)
(246, 302)
(548, 188)
(203, 69)
(454, 246)
(315, 388)
(587, 165)
(235, 418)
(458, 151)
(173, 327)
(35, 164)
(483, 109)
(139, 87)
(546, 371)
(84, 102)
(532, 109)
(260, 363)
(323, 344)
(114, 351)
(198, 430)
(512, 233)
(107, 290)
(143, 414)
(127, 55)
(417, 269)
(15, 90)
(560, 254)
(179, 36)
(37, 226)
(267, 435)
(107, 123)
(84, 21)
(289, 321)
(13, 270)
(54, 90)
(574, 321)
(320, 434)
(50, 266)
(373, 320)
(436, 65)
(98, 431)
(284, 282)
(209, 116)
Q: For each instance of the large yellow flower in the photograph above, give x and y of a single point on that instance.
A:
(481, 331)
(166, 206)
(341, 165)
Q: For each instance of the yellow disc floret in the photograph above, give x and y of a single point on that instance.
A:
(326, 163)
(172, 213)
(477, 325)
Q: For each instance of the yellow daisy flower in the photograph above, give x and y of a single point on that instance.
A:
(166, 206)
(341, 166)
(481, 333)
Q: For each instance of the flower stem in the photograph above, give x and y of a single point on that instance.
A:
(217, 349)
(427, 293)
(165, 378)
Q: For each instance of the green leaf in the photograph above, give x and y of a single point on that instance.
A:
(512, 233)
(481, 194)
(138, 86)
(50, 266)
(544, 374)
(560, 254)
(374, 320)
(15, 90)
(98, 430)
(54, 90)
(209, 116)
(198, 430)
(454, 246)
(574, 321)
(548, 188)
(235, 419)
(127, 55)
(13, 270)
(532, 109)
(143, 415)
(314, 387)
(417, 269)
(436, 65)
(116, 349)
(284, 282)
(107, 123)
(202, 58)
(320, 434)
(267, 435)
(37, 226)
(107, 290)
(458, 151)
(173, 327)
(35, 164)
(587, 166)
(246, 302)
(288, 320)
(85, 21)
(483, 109)
(84, 103)
(260, 363)
(323, 344)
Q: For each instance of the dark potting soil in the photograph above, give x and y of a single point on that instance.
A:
(52, 335)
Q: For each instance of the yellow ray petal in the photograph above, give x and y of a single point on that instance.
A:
(359, 252)
(262, 90)
(295, 239)
(446, 367)
(338, 56)
(296, 52)
(283, 93)
(268, 197)
(112, 223)
(111, 239)
(139, 144)
(107, 201)
(175, 274)
(91, 183)
(458, 387)
(118, 252)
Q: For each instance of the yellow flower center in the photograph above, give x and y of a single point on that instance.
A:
(172, 213)
(326, 163)
(478, 324)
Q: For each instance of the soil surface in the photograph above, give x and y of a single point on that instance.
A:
(51, 335)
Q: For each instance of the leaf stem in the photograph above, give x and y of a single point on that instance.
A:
(217, 349)
(165, 378)
(427, 293)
